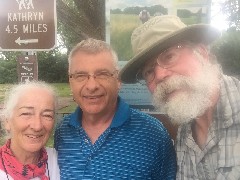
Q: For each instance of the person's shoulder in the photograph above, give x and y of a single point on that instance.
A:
(230, 82)
(52, 156)
(3, 176)
(147, 120)
(53, 163)
(51, 151)
(67, 117)
(142, 115)
(138, 114)
(64, 120)
(227, 78)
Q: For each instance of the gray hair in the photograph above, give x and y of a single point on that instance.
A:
(196, 51)
(93, 46)
(12, 96)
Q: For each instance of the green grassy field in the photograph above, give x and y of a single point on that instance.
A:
(63, 91)
(122, 26)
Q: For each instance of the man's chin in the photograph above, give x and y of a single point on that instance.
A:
(179, 110)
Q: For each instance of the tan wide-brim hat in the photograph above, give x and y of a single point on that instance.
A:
(159, 33)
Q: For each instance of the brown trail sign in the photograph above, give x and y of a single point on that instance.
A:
(27, 25)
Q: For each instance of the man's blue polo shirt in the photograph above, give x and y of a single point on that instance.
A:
(135, 146)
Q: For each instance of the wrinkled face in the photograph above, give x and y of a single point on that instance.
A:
(32, 121)
(184, 91)
(94, 83)
(182, 62)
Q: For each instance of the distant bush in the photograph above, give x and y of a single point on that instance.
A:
(8, 71)
(52, 67)
(227, 50)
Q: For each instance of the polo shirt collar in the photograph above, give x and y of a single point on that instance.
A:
(121, 115)
(75, 118)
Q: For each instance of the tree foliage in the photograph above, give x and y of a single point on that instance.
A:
(227, 51)
(8, 71)
(231, 8)
(227, 47)
(52, 67)
(77, 20)
(8, 67)
(137, 9)
(80, 19)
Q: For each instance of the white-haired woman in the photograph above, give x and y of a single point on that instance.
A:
(28, 116)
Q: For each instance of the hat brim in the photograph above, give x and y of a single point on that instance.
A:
(199, 33)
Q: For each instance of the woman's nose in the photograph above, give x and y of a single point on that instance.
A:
(36, 123)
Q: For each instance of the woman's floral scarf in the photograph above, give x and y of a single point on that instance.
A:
(17, 170)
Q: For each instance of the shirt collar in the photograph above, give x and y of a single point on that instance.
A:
(75, 117)
(122, 114)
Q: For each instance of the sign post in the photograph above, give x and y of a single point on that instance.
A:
(27, 68)
(27, 25)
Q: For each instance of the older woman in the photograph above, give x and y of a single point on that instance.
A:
(28, 116)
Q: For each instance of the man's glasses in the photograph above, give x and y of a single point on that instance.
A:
(166, 59)
(98, 76)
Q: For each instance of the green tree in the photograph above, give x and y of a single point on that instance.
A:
(8, 71)
(227, 47)
(8, 67)
(77, 20)
(227, 51)
(184, 13)
(80, 19)
(52, 67)
(231, 8)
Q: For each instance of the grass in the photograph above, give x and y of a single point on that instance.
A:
(122, 26)
(63, 91)
(68, 109)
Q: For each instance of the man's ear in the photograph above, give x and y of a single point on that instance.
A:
(119, 82)
(119, 85)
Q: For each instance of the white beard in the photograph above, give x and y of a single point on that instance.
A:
(190, 103)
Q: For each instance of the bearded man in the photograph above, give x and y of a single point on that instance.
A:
(187, 84)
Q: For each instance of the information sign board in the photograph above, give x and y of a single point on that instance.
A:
(27, 68)
(27, 25)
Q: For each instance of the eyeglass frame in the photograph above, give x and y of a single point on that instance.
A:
(157, 60)
(96, 76)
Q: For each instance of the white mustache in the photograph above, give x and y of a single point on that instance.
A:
(172, 84)
(190, 103)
